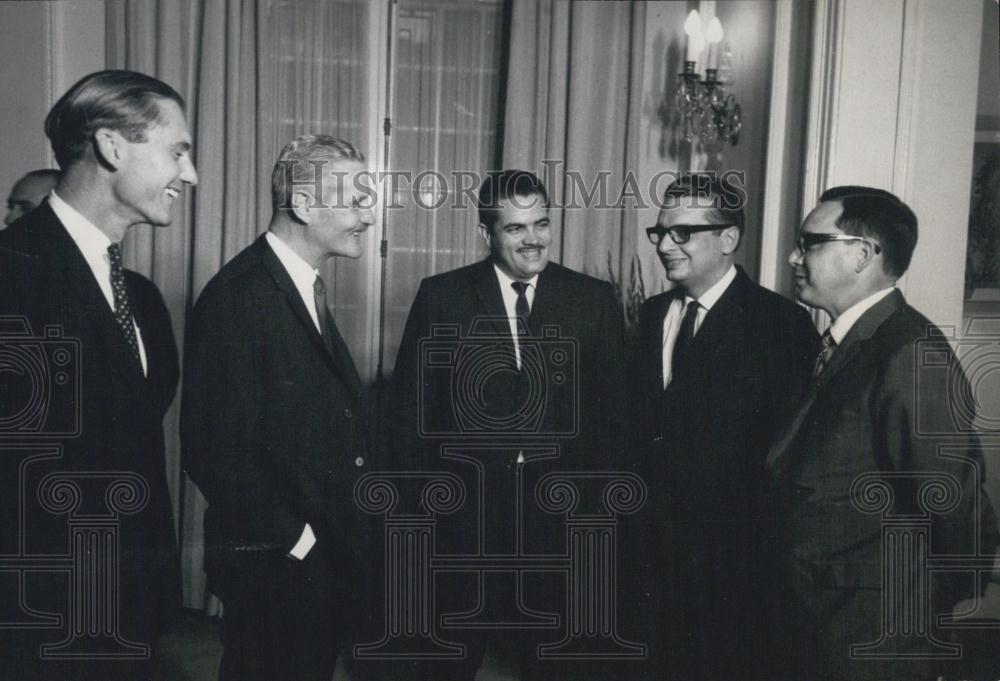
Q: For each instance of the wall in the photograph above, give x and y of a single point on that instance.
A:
(45, 47)
(25, 59)
(749, 28)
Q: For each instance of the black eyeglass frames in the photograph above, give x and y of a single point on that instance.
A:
(679, 234)
(808, 240)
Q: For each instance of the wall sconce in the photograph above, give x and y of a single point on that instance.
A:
(707, 111)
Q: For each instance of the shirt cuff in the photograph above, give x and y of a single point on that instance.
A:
(304, 545)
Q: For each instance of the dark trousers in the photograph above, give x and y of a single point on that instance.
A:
(284, 622)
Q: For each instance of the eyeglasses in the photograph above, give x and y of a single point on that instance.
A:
(679, 234)
(808, 240)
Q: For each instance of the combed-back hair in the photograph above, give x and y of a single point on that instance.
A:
(125, 101)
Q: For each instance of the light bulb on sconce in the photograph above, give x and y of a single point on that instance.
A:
(708, 112)
(714, 37)
(695, 39)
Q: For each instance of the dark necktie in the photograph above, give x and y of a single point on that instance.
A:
(686, 333)
(322, 312)
(521, 307)
(522, 310)
(123, 311)
(823, 358)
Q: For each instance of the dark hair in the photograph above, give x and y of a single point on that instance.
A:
(125, 101)
(722, 197)
(297, 165)
(880, 216)
(44, 173)
(503, 186)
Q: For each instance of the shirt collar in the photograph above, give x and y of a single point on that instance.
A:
(506, 281)
(712, 295)
(92, 242)
(302, 273)
(842, 324)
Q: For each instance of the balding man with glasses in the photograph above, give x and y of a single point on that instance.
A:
(722, 362)
(880, 436)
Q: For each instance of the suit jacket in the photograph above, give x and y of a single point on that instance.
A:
(580, 391)
(456, 382)
(705, 439)
(45, 281)
(880, 406)
(272, 425)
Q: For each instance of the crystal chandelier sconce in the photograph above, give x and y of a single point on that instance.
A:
(706, 111)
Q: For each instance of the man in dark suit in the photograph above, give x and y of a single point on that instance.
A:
(272, 425)
(721, 363)
(536, 358)
(877, 441)
(122, 141)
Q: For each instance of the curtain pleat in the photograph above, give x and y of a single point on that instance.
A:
(557, 125)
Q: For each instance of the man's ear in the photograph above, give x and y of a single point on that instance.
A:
(301, 207)
(486, 233)
(109, 146)
(730, 240)
(866, 257)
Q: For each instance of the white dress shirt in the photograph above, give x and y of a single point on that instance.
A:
(93, 245)
(842, 324)
(675, 315)
(510, 304)
(303, 276)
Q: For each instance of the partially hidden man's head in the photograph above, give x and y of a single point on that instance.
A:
(130, 129)
(29, 192)
(698, 230)
(514, 221)
(318, 183)
(856, 241)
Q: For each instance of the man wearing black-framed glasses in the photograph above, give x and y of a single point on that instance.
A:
(880, 421)
(722, 361)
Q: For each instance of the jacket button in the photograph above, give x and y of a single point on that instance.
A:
(360, 461)
(348, 414)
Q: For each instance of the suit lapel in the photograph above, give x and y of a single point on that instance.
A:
(91, 306)
(720, 320)
(337, 356)
(487, 290)
(852, 345)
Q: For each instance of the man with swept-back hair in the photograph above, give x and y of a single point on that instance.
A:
(122, 141)
(721, 363)
(883, 436)
(272, 426)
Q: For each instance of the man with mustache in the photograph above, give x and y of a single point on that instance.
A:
(273, 428)
(880, 426)
(122, 141)
(524, 332)
(721, 363)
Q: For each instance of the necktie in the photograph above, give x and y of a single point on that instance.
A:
(823, 358)
(322, 311)
(522, 310)
(123, 311)
(521, 307)
(686, 333)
